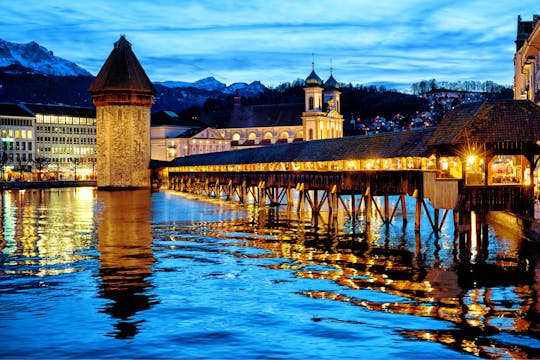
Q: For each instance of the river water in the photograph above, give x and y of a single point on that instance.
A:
(130, 274)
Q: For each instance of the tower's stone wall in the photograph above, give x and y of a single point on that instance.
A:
(123, 146)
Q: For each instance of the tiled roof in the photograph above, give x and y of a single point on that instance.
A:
(388, 145)
(164, 118)
(15, 110)
(267, 115)
(491, 121)
(189, 133)
(77, 111)
(122, 71)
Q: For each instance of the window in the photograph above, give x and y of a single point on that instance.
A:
(311, 103)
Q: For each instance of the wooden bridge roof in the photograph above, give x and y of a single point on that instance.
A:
(492, 121)
(388, 145)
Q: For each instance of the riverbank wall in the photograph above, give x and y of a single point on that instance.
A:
(15, 185)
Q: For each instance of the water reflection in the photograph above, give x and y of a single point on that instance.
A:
(45, 232)
(124, 244)
(487, 288)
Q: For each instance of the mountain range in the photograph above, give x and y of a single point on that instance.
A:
(32, 58)
(25, 62)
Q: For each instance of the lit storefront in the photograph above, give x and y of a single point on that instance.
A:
(509, 169)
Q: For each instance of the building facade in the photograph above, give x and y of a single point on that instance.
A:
(317, 118)
(172, 137)
(65, 138)
(17, 133)
(527, 60)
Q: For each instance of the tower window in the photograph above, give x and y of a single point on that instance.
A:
(311, 103)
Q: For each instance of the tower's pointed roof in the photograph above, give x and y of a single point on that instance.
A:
(122, 72)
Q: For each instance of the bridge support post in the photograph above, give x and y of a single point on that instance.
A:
(386, 210)
(368, 206)
(418, 212)
(436, 220)
(403, 208)
(288, 195)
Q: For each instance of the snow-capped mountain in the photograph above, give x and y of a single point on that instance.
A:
(34, 58)
(211, 84)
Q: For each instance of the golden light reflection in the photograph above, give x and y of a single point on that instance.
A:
(419, 289)
(124, 243)
(46, 229)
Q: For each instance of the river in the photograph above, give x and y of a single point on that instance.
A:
(133, 274)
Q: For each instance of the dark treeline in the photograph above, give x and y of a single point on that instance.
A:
(358, 103)
(425, 86)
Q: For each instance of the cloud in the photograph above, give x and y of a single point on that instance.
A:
(273, 41)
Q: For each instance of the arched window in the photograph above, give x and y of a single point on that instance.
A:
(236, 137)
(311, 103)
(310, 134)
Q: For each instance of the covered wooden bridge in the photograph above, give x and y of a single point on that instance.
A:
(480, 158)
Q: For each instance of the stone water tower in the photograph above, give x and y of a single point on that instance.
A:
(123, 95)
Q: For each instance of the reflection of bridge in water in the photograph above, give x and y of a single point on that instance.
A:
(490, 293)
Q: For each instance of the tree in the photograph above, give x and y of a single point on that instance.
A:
(75, 163)
(40, 164)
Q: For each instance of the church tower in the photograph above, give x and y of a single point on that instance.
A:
(123, 95)
(321, 123)
(331, 95)
(313, 114)
(334, 119)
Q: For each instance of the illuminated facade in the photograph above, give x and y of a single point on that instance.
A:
(65, 144)
(527, 61)
(318, 118)
(318, 123)
(189, 142)
(173, 137)
(18, 141)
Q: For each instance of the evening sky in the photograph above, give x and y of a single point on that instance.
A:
(394, 41)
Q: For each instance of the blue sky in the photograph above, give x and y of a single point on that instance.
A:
(397, 41)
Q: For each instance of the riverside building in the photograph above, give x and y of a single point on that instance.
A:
(316, 119)
(65, 141)
(47, 142)
(172, 137)
(527, 60)
(18, 141)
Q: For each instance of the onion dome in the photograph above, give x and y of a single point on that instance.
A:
(313, 80)
(331, 83)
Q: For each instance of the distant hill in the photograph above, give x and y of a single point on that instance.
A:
(211, 84)
(45, 89)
